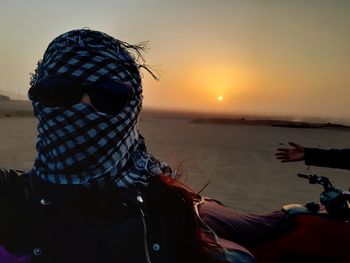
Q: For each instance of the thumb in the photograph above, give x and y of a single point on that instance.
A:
(294, 144)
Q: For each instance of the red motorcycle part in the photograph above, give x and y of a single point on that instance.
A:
(314, 236)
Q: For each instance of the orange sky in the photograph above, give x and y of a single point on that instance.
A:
(263, 57)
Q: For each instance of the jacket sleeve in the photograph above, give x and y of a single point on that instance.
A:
(333, 158)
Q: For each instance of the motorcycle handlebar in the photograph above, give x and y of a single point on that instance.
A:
(315, 179)
(336, 201)
(306, 176)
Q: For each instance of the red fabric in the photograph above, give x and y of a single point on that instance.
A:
(243, 228)
(227, 244)
(313, 235)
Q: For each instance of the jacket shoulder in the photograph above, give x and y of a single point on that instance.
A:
(5, 171)
(11, 177)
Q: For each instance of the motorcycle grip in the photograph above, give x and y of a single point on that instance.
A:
(306, 176)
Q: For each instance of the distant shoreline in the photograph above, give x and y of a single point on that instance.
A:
(272, 123)
(17, 108)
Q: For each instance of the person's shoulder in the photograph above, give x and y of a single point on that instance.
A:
(9, 171)
(10, 175)
(4, 171)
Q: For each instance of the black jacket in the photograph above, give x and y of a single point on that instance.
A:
(71, 223)
(75, 224)
(334, 158)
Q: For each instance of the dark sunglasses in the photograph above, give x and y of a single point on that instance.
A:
(106, 96)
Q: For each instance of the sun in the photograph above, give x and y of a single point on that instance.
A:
(220, 98)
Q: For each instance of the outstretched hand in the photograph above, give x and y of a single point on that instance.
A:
(291, 154)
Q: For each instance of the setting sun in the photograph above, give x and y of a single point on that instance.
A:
(220, 98)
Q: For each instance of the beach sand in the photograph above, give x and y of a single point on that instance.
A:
(238, 160)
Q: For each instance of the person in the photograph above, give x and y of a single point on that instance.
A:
(333, 158)
(95, 193)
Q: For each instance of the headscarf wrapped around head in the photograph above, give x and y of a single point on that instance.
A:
(78, 144)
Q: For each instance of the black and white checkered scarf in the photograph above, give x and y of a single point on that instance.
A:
(78, 144)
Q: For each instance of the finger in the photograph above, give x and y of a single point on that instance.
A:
(283, 149)
(282, 158)
(282, 152)
(281, 155)
(293, 144)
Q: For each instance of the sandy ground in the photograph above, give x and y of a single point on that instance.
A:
(237, 159)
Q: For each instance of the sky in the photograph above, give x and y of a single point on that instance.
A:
(282, 57)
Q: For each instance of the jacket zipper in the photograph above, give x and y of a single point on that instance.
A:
(145, 237)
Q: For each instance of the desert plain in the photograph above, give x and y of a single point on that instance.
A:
(236, 160)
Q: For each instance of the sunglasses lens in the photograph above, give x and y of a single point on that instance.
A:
(57, 91)
(109, 97)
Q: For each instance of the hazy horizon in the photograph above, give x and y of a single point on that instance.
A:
(23, 108)
(278, 58)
